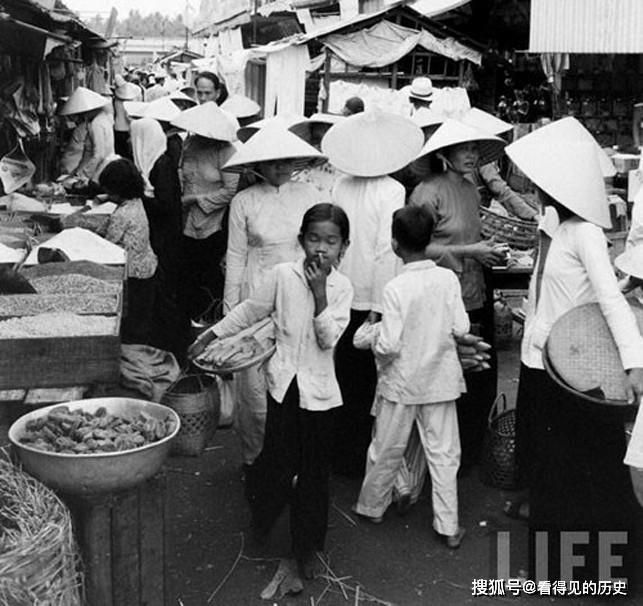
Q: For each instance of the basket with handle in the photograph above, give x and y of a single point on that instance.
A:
(519, 234)
(195, 398)
(499, 466)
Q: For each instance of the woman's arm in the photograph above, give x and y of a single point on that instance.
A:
(237, 252)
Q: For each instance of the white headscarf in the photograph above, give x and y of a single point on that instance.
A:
(148, 145)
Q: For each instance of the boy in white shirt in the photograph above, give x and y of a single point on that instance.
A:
(419, 376)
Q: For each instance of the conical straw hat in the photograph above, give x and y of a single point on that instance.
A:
(570, 129)
(163, 110)
(568, 170)
(135, 109)
(322, 118)
(485, 121)
(240, 106)
(373, 143)
(208, 120)
(453, 132)
(123, 90)
(631, 261)
(273, 142)
(82, 100)
(180, 96)
(292, 122)
(425, 117)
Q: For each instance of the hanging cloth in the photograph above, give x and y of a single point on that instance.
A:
(149, 143)
(286, 95)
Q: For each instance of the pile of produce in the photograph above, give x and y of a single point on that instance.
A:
(38, 555)
(35, 304)
(74, 283)
(81, 432)
(57, 325)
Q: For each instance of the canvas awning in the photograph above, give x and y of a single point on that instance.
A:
(586, 26)
(385, 43)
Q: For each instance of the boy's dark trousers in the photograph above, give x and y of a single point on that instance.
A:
(293, 468)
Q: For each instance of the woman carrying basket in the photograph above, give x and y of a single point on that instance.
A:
(573, 454)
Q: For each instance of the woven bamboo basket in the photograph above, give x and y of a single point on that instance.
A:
(521, 235)
(195, 398)
(38, 560)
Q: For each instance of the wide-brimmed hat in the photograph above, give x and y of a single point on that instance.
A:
(83, 100)
(425, 117)
(568, 170)
(163, 110)
(240, 106)
(454, 132)
(125, 91)
(180, 96)
(135, 109)
(570, 129)
(631, 261)
(421, 88)
(373, 143)
(293, 122)
(208, 120)
(273, 142)
(485, 121)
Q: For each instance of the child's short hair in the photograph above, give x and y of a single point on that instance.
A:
(326, 212)
(413, 227)
(121, 177)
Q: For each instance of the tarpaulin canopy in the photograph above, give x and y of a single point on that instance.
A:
(385, 43)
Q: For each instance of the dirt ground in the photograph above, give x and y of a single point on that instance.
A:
(399, 562)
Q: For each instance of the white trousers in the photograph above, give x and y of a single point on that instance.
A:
(250, 411)
(437, 426)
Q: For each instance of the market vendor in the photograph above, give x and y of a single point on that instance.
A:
(86, 106)
(458, 245)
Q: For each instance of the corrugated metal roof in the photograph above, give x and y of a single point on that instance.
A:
(586, 26)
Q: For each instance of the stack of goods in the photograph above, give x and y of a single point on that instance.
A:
(38, 559)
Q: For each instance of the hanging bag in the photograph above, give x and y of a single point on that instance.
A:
(16, 169)
(499, 466)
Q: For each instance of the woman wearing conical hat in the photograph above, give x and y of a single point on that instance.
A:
(458, 245)
(207, 192)
(85, 105)
(573, 457)
(367, 147)
(262, 232)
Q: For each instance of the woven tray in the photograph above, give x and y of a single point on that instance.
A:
(519, 234)
(582, 356)
(261, 356)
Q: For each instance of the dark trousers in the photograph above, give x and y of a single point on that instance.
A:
(202, 277)
(473, 407)
(357, 378)
(293, 468)
(122, 144)
(137, 324)
(572, 452)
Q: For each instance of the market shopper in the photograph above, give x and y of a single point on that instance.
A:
(162, 203)
(87, 106)
(458, 245)
(419, 376)
(207, 192)
(367, 147)
(309, 301)
(263, 230)
(208, 87)
(572, 453)
(123, 91)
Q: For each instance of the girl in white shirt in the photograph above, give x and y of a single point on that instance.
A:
(570, 453)
(309, 302)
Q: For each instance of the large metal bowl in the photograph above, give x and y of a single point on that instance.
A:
(84, 474)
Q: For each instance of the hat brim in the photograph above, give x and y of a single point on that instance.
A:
(630, 262)
(299, 164)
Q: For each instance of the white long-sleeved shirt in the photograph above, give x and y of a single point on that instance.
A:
(415, 349)
(305, 343)
(99, 145)
(578, 271)
(262, 232)
(369, 261)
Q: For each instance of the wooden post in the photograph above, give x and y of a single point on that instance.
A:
(327, 62)
(394, 76)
